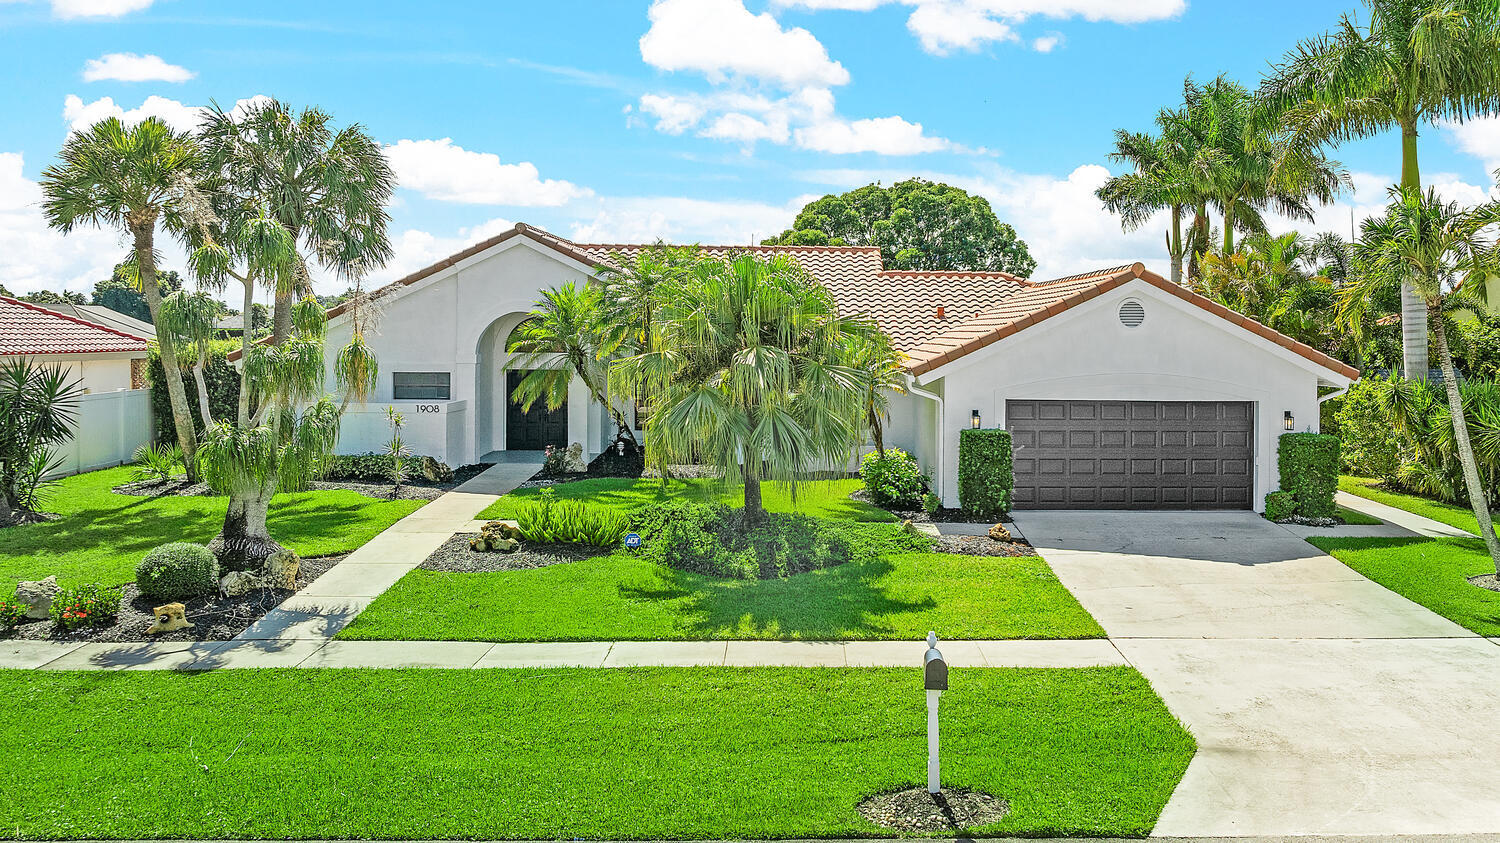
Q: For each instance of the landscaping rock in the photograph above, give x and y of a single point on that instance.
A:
(999, 533)
(502, 530)
(573, 461)
(281, 569)
(169, 618)
(951, 809)
(235, 583)
(434, 471)
(37, 596)
(505, 545)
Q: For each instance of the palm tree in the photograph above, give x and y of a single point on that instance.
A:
(749, 369)
(38, 408)
(132, 179)
(1413, 63)
(875, 356)
(1171, 174)
(1270, 280)
(328, 190)
(632, 286)
(1436, 249)
(569, 335)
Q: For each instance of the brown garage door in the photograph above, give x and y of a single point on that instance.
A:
(1132, 454)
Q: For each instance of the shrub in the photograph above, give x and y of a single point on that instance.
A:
(894, 480)
(554, 460)
(1368, 443)
(931, 503)
(157, 462)
(985, 478)
(89, 605)
(12, 614)
(1280, 505)
(178, 570)
(1309, 466)
(369, 468)
(551, 520)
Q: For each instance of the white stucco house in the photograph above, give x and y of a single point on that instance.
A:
(1122, 390)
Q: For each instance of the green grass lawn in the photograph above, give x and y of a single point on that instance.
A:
(1355, 517)
(622, 597)
(705, 753)
(1430, 572)
(821, 499)
(102, 535)
(1453, 515)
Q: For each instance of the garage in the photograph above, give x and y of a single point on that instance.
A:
(1132, 454)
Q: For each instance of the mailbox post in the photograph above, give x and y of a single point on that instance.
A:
(935, 680)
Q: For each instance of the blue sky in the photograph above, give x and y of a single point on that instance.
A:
(694, 120)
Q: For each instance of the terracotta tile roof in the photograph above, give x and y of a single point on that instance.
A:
(31, 329)
(1037, 301)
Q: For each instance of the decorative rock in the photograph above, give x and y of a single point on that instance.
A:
(505, 545)
(573, 461)
(169, 618)
(281, 569)
(501, 529)
(436, 472)
(235, 583)
(36, 596)
(999, 533)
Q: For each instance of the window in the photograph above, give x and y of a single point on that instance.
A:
(419, 386)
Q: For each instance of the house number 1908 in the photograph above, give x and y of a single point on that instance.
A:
(428, 408)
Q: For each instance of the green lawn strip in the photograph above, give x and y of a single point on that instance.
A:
(821, 498)
(1431, 572)
(101, 535)
(1357, 518)
(1453, 515)
(658, 753)
(622, 597)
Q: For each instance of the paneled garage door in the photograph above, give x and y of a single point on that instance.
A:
(1132, 454)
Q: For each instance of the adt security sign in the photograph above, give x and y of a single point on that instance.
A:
(632, 540)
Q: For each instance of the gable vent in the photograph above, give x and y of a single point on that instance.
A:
(1132, 313)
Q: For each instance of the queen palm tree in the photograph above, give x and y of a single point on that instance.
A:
(1437, 249)
(749, 369)
(133, 179)
(1409, 65)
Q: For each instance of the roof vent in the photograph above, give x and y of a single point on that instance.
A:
(940, 313)
(1132, 313)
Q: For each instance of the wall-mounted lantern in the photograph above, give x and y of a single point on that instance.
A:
(1287, 422)
(935, 680)
(974, 419)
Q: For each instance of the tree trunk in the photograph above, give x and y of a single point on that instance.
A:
(1174, 244)
(182, 419)
(243, 416)
(877, 431)
(7, 513)
(1477, 500)
(244, 544)
(1229, 228)
(753, 507)
(1414, 328)
(208, 416)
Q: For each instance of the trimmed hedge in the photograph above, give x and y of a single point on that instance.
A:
(1280, 505)
(223, 389)
(178, 570)
(1309, 466)
(986, 479)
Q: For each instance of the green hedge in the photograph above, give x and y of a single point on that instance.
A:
(986, 481)
(1280, 505)
(1309, 466)
(177, 571)
(223, 383)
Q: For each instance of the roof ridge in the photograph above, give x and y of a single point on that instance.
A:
(723, 246)
(1098, 273)
(53, 313)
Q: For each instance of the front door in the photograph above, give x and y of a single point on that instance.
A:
(534, 429)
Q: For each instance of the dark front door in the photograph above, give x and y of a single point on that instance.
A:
(1132, 454)
(534, 429)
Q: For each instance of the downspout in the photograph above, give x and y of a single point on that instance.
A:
(942, 425)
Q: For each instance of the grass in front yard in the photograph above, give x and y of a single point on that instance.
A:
(820, 499)
(101, 535)
(622, 597)
(1453, 515)
(703, 753)
(1430, 572)
(1355, 517)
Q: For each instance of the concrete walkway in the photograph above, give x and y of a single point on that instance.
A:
(1322, 702)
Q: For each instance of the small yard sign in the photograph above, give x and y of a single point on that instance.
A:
(632, 540)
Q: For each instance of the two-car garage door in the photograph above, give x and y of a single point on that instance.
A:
(1132, 454)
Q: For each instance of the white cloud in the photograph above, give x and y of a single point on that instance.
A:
(1479, 137)
(129, 67)
(34, 257)
(184, 118)
(882, 135)
(673, 114)
(735, 126)
(415, 249)
(97, 8)
(1047, 43)
(723, 39)
(643, 219)
(439, 169)
(943, 27)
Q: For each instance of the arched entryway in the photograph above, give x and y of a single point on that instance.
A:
(500, 423)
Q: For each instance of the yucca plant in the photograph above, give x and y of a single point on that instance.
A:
(38, 409)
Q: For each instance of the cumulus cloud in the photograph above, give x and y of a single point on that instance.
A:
(1479, 137)
(97, 8)
(442, 170)
(1047, 43)
(129, 67)
(643, 219)
(882, 135)
(722, 39)
(35, 257)
(184, 118)
(673, 114)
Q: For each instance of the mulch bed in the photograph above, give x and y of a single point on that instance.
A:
(415, 490)
(215, 618)
(943, 515)
(455, 556)
(951, 809)
(1486, 581)
(982, 546)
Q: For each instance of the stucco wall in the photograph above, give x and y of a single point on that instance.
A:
(1180, 353)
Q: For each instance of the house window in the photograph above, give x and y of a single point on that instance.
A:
(421, 386)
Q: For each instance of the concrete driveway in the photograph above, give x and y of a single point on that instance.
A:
(1322, 703)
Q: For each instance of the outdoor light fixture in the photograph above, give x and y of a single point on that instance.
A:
(974, 419)
(620, 447)
(1287, 421)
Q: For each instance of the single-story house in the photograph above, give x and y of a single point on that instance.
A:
(1122, 390)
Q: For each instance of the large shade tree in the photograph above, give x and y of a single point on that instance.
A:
(134, 179)
(1407, 65)
(917, 224)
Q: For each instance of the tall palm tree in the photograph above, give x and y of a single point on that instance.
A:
(327, 189)
(192, 319)
(133, 179)
(749, 369)
(1411, 64)
(1171, 173)
(1437, 249)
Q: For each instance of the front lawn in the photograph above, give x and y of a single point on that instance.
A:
(820, 499)
(622, 597)
(1356, 518)
(1453, 515)
(101, 535)
(701, 753)
(1431, 572)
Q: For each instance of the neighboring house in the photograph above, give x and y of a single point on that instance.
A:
(107, 317)
(1122, 389)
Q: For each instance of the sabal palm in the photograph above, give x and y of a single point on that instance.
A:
(1410, 64)
(1437, 249)
(133, 179)
(749, 369)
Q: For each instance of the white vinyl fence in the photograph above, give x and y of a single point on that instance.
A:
(111, 425)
